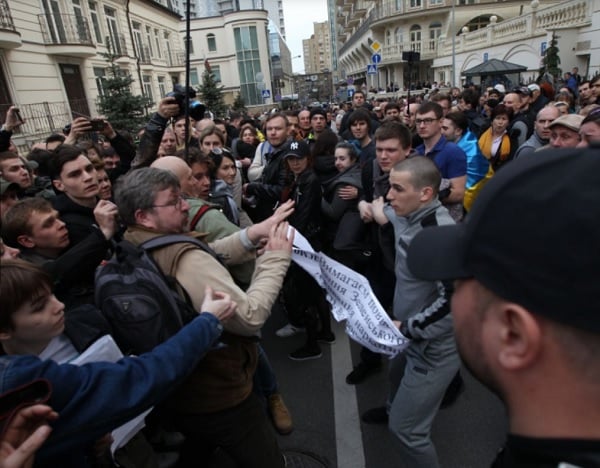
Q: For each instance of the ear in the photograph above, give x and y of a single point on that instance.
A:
(520, 338)
(142, 218)
(426, 194)
(58, 185)
(5, 334)
(26, 241)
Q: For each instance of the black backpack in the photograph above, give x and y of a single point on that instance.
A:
(143, 305)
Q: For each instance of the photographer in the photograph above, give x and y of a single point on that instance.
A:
(172, 105)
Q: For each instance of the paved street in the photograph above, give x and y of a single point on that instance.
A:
(326, 411)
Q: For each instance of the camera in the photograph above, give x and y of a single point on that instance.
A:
(97, 125)
(196, 108)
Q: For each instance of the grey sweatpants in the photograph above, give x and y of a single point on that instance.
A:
(414, 402)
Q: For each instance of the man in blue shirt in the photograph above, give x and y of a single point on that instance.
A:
(448, 157)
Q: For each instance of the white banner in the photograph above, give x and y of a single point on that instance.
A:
(351, 299)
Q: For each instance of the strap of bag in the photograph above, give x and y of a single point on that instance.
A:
(203, 209)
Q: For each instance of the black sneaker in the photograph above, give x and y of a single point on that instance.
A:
(361, 372)
(326, 338)
(375, 416)
(305, 353)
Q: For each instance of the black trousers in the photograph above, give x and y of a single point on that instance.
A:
(242, 432)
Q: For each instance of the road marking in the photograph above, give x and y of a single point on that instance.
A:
(348, 436)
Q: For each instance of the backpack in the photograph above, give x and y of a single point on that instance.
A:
(143, 305)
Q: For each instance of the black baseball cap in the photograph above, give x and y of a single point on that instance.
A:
(532, 237)
(297, 149)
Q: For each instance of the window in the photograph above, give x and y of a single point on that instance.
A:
(436, 2)
(100, 76)
(113, 32)
(248, 60)
(162, 88)
(96, 22)
(212, 42)
(157, 43)
(147, 83)
(399, 36)
(137, 39)
(415, 38)
(415, 3)
(194, 81)
(216, 72)
(82, 32)
(435, 31)
(149, 40)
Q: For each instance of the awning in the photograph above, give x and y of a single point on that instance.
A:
(494, 67)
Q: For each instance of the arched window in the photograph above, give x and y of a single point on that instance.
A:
(415, 38)
(211, 42)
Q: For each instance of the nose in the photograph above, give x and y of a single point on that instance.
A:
(185, 206)
(58, 306)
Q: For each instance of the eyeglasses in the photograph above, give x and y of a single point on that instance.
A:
(177, 203)
(425, 121)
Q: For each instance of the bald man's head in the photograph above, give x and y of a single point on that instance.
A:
(181, 170)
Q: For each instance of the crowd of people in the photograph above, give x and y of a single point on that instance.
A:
(360, 181)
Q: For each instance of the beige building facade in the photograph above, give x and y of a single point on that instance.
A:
(52, 63)
(452, 36)
(317, 49)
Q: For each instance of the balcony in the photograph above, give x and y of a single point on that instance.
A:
(116, 45)
(144, 56)
(67, 35)
(572, 14)
(392, 53)
(175, 59)
(9, 37)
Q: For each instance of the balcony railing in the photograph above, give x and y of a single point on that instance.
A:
(42, 119)
(576, 13)
(362, 29)
(117, 45)
(175, 58)
(6, 21)
(65, 30)
(393, 52)
(144, 55)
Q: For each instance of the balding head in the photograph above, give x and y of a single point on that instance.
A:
(181, 170)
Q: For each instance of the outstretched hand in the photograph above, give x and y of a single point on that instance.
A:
(281, 237)
(262, 230)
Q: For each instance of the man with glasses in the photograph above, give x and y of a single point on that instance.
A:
(449, 158)
(215, 407)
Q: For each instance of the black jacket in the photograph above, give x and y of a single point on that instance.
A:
(306, 218)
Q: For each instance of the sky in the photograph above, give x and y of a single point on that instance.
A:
(299, 16)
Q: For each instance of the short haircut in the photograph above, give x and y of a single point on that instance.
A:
(393, 129)
(459, 119)
(54, 137)
(42, 157)
(594, 80)
(137, 190)
(429, 106)
(360, 115)
(501, 109)
(442, 97)
(471, 97)
(61, 156)
(5, 155)
(393, 105)
(16, 221)
(282, 115)
(423, 172)
(350, 148)
(212, 130)
(21, 283)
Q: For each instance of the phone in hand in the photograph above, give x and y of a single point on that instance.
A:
(18, 114)
(97, 125)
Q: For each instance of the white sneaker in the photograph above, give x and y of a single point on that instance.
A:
(289, 330)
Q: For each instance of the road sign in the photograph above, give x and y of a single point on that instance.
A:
(266, 93)
(485, 56)
(375, 46)
(371, 69)
(376, 58)
(350, 92)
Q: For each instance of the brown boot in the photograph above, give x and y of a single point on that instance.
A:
(280, 415)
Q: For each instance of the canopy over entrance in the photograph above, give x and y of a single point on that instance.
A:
(494, 67)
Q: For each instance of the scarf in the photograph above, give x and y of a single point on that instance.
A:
(485, 144)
